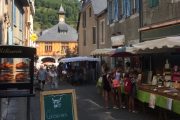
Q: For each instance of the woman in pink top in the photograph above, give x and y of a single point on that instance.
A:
(117, 88)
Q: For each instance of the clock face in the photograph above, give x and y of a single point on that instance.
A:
(62, 19)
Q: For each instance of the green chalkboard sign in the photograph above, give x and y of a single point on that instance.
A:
(58, 105)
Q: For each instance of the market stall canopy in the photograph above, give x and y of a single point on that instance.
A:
(48, 59)
(78, 59)
(48, 63)
(159, 45)
(103, 52)
(118, 40)
(124, 52)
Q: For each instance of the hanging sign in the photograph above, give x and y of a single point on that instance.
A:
(33, 37)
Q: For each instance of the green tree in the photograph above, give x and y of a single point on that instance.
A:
(46, 14)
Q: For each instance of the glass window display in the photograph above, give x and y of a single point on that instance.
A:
(14, 70)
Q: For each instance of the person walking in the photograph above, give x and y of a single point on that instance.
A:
(106, 87)
(127, 90)
(53, 78)
(130, 90)
(42, 76)
(133, 78)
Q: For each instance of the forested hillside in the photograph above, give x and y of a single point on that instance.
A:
(46, 14)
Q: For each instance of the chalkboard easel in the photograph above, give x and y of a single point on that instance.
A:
(58, 105)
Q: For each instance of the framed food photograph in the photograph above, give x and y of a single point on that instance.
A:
(16, 70)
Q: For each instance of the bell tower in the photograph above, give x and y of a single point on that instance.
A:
(61, 14)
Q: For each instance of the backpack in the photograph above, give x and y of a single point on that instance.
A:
(127, 85)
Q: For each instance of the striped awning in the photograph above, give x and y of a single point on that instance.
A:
(78, 59)
(103, 52)
(158, 45)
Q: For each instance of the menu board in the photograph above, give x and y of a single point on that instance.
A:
(58, 105)
(13, 70)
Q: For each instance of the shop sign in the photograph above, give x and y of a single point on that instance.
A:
(58, 105)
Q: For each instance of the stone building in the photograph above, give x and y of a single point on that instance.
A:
(16, 22)
(159, 18)
(92, 26)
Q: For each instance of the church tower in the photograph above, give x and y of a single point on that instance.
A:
(61, 14)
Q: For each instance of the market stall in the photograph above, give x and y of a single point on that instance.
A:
(164, 97)
(123, 55)
(161, 73)
(78, 59)
(80, 70)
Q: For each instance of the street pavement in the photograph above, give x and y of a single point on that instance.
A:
(90, 106)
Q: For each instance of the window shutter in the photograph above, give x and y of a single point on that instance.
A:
(14, 14)
(124, 8)
(116, 10)
(137, 5)
(128, 8)
(153, 3)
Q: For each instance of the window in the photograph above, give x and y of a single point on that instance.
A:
(135, 6)
(48, 47)
(102, 31)
(89, 12)
(110, 11)
(120, 9)
(126, 8)
(14, 13)
(10, 38)
(84, 19)
(84, 37)
(1, 33)
(20, 20)
(153, 3)
(64, 47)
(1, 8)
(116, 11)
(94, 35)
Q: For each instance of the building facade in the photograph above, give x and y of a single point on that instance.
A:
(155, 22)
(57, 41)
(120, 19)
(15, 21)
(123, 22)
(92, 27)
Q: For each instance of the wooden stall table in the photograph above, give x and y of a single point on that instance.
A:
(167, 98)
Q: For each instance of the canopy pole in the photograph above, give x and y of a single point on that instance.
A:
(150, 64)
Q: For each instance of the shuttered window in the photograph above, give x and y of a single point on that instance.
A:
(84, 37)
(21, 20)
(90, 12)
(84, 19)
(135, 6)
(126, 8)
(14, 13)
(153, 3)
(94, 35)
(110, 12)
